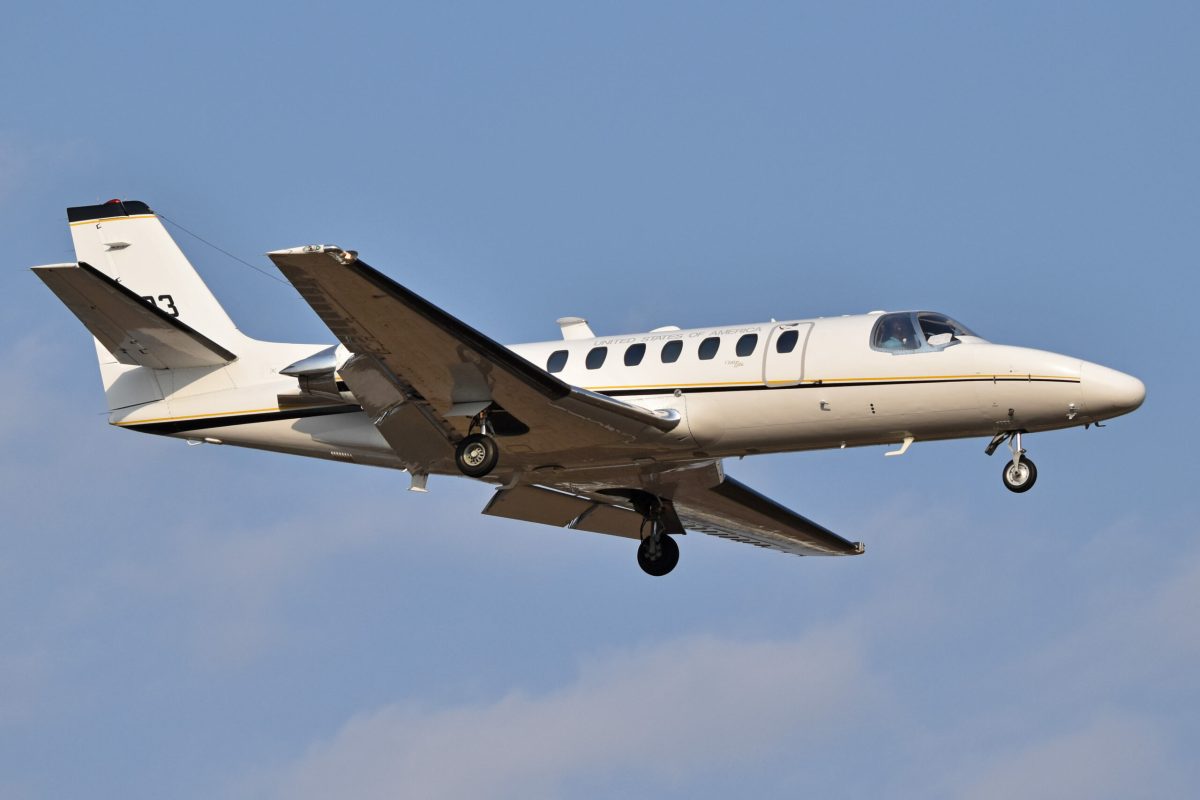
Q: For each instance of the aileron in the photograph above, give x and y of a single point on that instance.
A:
(735, 511)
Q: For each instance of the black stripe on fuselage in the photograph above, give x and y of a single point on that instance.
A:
(202, 423)
(821, 385)
(167, 427)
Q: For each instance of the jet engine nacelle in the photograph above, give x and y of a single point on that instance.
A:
(317, 375)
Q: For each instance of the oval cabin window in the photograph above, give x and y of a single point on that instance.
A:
(556, 361)
(595, 357)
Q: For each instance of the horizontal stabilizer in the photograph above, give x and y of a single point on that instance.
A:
(133, 330)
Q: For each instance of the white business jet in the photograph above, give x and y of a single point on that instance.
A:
(623, 435)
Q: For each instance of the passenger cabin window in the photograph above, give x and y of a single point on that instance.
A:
(634, 354)
(746, 345)
(786, 342)
(556, 361)
(709, 347)
(671, 351)
(595, 357)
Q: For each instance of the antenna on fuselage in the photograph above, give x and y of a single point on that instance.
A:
(575, 328)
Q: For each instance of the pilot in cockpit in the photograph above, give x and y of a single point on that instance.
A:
(898, 334)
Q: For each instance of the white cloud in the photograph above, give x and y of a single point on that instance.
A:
(1091, 712)
(688, 706)
(1113, 757)
(1053, 720)
(1147, 632)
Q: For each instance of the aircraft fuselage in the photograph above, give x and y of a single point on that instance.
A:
(830, 389)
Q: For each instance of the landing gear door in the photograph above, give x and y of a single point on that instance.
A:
(783, 361)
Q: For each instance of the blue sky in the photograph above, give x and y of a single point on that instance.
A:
(208, 622)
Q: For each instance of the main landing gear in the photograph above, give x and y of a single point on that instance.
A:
(476, 455)
(1019, 474)
(658, 553)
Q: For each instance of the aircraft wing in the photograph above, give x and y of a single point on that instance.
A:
(732, 510)
(701, 498)
(417, 370)
(409, 350)
(134, 331)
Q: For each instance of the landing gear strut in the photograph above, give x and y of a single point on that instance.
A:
(476, 455)
(1019, 474)
(658, 553)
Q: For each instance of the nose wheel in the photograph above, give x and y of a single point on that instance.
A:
(1019, 474)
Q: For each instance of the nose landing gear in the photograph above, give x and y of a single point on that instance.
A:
(1019, 474)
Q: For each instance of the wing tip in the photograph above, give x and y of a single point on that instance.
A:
(337, 253)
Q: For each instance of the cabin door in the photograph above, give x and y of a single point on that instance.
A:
(783, 362)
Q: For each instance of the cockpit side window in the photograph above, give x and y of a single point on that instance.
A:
(895, 333)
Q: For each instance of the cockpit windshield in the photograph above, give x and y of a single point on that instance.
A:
(932, 324)
(909, 331)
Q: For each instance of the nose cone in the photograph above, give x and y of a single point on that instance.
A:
(1108, 393)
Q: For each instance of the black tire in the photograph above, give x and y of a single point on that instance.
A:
(476, 455)
(1021, 480)
(658, 561)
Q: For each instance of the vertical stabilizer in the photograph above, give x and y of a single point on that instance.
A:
(127, 242)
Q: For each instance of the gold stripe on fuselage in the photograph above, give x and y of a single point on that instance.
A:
(837, 381)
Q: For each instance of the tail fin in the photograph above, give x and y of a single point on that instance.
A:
(127, 242)
(125, 256)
